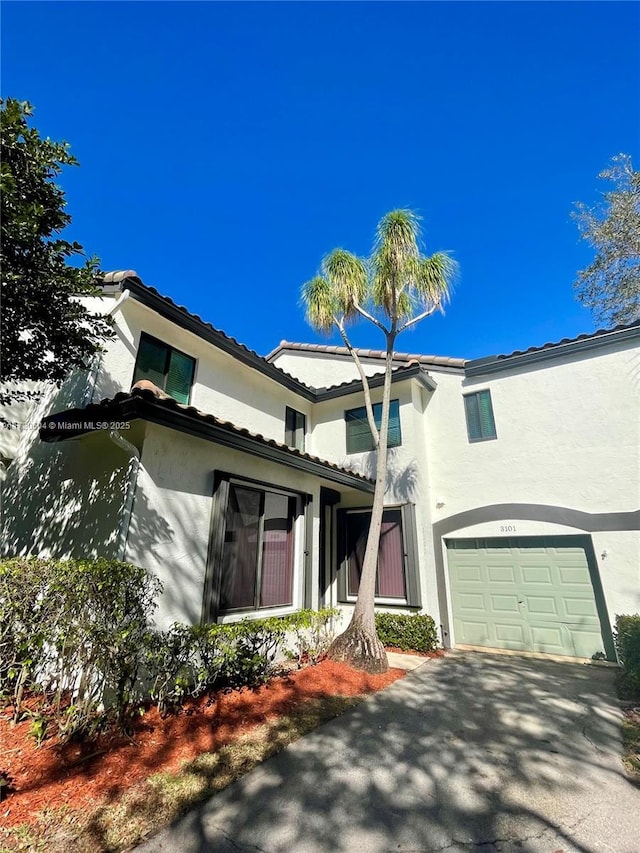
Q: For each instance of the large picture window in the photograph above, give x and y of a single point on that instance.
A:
(397, 575)
(253, 548)
(359, 436)
(168, 368)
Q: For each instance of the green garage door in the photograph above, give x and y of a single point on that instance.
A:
(527, 594)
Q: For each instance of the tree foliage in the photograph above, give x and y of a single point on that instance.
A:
(45, 332)
(395, 288)
(610, 285)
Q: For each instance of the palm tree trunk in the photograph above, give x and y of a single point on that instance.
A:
(359, 645)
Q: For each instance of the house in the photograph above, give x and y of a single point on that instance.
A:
(245, 483)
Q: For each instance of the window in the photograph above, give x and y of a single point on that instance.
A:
(480, 423)
(169, 369)
(253, 547)
(397, 576)
(359, 436)
(295, 426)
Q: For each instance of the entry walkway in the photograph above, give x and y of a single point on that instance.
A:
(472, 752)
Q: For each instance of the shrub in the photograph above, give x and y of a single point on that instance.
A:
(192, 660)
(76, 634)
(312, 633)
(627, 640)
(414, 632)
(72, 634)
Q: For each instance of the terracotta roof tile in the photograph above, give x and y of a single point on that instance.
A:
(432, 360)
(99, 412)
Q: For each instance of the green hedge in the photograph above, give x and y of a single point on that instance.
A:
(71, 634)
(627, 640)
(77, 636)
(191, 660)
(414, 632)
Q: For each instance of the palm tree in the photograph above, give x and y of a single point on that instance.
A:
(394, 289)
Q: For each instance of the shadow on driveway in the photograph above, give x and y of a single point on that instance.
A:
(471, 752)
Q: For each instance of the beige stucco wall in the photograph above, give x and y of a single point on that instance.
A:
(171, 519)
(568, 436)
(223, 386)
(322, 370)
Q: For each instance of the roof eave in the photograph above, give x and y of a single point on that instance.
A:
(495, 364)
(190, 323)
(415, 371)
(74, 423)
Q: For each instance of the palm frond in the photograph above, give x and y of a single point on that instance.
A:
(395, 257)
(435, 279)
(347, 275)
(319, 302)
(399, 232)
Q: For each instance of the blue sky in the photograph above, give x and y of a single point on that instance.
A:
(226, 147)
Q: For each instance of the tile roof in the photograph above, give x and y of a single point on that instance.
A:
(144, 404)
(591, 340)
(129, 279)
(351, 386)
(430, 360)
(589, 336)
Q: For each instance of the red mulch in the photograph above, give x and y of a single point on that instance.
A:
(81, 775)
(438, 653)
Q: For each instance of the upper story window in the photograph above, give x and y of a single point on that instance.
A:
(479, 411)
(359, 436)
(295, 427)
(168, 368)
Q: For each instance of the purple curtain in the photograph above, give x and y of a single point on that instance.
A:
(277, 550)
(390, 580)
(240, 555)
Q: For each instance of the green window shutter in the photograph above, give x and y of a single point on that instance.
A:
(479, 412)
(179, 376)
(359, 437)
(394, 438)
(485, 408)
(473, 417)
(152, 361)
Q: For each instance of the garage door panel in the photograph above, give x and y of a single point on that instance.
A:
(524, 595)
(537, 574)
(539, 605)
(584, 607)
(501, 574)
(477, 632)
(472, 601)
(469, 574)
(549, 639)
(583, 641)
(575, 576)
(511, 634)
(502, 603)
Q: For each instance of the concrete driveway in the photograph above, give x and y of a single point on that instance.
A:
(472, 752)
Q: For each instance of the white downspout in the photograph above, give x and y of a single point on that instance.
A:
(123, 298)
(132, 479)
(97, 359)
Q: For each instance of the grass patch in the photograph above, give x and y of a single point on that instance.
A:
(147, 807)
(631, 742)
